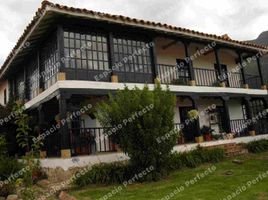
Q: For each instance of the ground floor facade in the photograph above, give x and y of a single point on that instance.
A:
(70, 129)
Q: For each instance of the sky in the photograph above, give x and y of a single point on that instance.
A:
(240, 19)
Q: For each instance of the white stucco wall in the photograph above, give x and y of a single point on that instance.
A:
(203, 104)
(82, 161)
(167, 53)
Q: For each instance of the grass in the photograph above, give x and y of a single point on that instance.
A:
(227, 178)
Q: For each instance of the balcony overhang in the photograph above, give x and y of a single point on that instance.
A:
(104, 88)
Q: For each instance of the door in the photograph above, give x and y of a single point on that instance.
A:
(189, 130)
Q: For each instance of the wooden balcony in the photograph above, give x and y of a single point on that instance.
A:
(176, 75)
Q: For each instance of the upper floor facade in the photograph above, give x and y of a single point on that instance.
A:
(84, 49)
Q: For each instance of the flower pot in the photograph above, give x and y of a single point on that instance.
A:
(181, 140)
(199, 139)
(208, 137)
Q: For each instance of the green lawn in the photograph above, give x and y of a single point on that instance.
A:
(227, 178)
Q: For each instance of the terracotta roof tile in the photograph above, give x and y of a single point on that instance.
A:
(125, 19)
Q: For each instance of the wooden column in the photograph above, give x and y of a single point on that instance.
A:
(156, 77)
(64, 133)
(240, 61)
(220, 74)
(227, 114)
(26, 88)
(263, 85)
(40, 72)
(189, 62)
(249, 111)
(265, 102)
(198, 136)
(60, 40)
(113, 77)
(43, 152)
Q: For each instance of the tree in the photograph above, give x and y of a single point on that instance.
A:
(139, 122)
(22, 121)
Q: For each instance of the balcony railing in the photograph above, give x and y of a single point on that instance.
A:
(261, 126)
(253, 81)
(86, 141)
(239, 127)
(235, 80)
(205, 77)
(173, 74)
(176, 75)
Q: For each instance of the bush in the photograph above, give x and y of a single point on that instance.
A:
(195, 158)
(118, 172)
(257, 146)
(105, 173)
(6, 189)
(3, 146)
(143, 121)
(35, 172)
(8, 167)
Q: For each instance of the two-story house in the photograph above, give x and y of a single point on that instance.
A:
(67, 57)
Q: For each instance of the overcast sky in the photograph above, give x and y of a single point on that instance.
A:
(240, 19)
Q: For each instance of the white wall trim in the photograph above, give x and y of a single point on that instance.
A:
(82, 161)
(75, 84)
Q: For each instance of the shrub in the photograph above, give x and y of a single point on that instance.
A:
(257, 146)
(6, 189)
(8, 167)
(35, 172)
(105, 173)
(118, 172)
(3, 146)
(195, 158)
(142, 120)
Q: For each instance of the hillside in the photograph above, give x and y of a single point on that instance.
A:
(263, 40)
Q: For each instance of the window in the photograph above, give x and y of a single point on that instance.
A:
(134, 56)
(20, 86)
(33, 78)
(49, 62)
(86, 51)
(257, 106)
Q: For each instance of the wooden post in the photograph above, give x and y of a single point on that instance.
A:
(198, 136)
(188, 60)
(227, 114)
(156, 77)
(220, 75)
(25, 96)
(114, 77)
(240, 61)
(64, 133)
(263, 85)
(43, 152)
(249, 111)
(40, 72)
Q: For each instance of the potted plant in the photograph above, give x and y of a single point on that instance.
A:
(178, 82)
(207, 133)
(193, 115)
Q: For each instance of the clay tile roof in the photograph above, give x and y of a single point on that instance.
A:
(150, 24)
